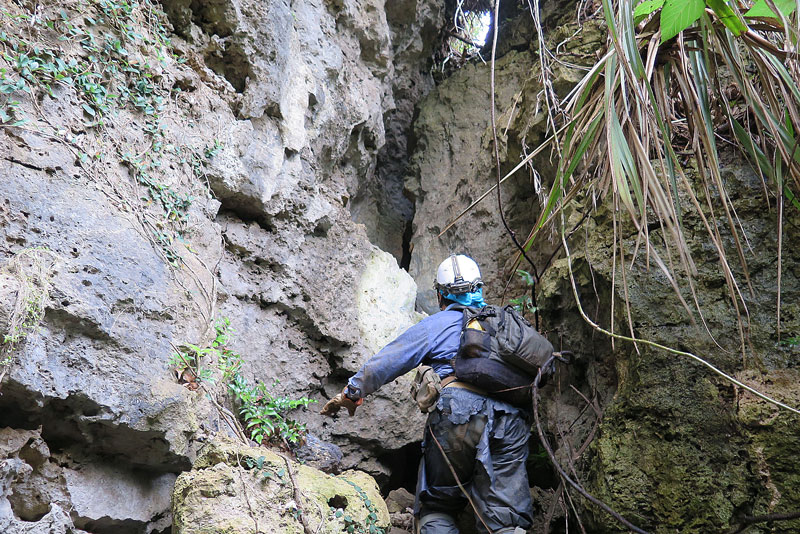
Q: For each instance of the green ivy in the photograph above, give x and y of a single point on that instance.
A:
(264, 469)
(369, 525)
(107, 80)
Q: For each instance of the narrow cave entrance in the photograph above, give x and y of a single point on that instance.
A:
(403, 464)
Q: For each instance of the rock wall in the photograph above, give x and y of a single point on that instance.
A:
(679, 447)
(453, 162)
(167, 165)
(660, 438)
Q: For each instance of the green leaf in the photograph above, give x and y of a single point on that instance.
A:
(88, 109)
(647, 7)
(677, 15)
(761, 9)
(728, 17)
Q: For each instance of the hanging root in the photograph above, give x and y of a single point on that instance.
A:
(564, 476)
(30, 270)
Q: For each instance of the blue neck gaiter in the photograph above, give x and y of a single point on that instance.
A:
(474, 299)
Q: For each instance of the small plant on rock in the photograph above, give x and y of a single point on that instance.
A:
(263, 415)
(793, 341)
(524, 303)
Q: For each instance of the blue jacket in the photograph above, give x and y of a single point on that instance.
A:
(432, 341)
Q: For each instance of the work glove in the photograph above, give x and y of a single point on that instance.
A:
(341, 400)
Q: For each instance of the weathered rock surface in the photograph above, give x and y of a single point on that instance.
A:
(680, 447)
(453, 164)
(95, 373)
(451, 167)
(63, 492)
(322, 84)
(385, 303)
(245, 490)
(380, 203)
(280, 109)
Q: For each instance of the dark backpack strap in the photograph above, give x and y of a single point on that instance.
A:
(483, 314)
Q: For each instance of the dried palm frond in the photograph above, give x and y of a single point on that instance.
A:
(650, 98)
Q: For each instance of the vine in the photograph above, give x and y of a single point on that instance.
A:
(99, 51)
(370, 525)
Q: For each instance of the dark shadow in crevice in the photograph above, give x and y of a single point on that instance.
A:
(233, 211)
(403, 465)
(223, 54)
(408, 233)
(232, 64)
(78, 423)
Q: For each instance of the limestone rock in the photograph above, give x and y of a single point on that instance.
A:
(453, 163)
(9, 288)
(452, 166)
(281, 111)
(385, 300)
(399, 500)
(687, 420)
(388, 420)
(380, 203)
(319, 454)
(106, 497)
(56, 521)
(244, 490)
(95, 371)
(36, 487)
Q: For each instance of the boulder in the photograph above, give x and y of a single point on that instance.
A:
(37, 487)
(238, 489)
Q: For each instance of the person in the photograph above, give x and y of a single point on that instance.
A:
(484, 440)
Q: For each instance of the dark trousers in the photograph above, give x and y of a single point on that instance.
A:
(485, 442)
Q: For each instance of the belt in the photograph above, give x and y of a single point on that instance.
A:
(452, 382)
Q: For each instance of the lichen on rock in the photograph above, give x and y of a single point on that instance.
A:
(236, 489)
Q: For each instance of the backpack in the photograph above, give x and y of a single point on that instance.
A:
(500, 352)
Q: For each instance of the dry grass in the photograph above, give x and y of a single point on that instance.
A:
(644, 103)
(31, 269)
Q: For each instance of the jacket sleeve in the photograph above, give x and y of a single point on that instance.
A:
(397, 358)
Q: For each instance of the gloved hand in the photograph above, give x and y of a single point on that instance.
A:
(341, 400)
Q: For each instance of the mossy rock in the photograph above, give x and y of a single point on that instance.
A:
(236, 489)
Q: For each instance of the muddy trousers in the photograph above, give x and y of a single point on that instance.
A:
(488, 454)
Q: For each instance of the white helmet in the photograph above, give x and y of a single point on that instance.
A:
(457, 275)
